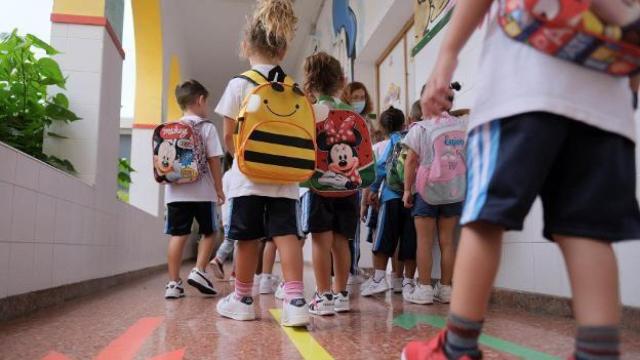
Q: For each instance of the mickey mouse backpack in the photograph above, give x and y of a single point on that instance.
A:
(179, 155)
(345, 160)
(442, 177)
(275, 131)
(603, 35)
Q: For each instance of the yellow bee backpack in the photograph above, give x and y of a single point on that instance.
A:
(275, 131)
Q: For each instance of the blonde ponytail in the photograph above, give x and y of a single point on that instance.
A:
(271, 28)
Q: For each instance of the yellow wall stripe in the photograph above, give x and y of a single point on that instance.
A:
(308, 347)
(147, 21)
(173, 109)
(79, 7)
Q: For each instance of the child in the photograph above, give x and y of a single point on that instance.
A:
(226, 248)
(261, 210)
(194, 200)
(332, 222)
(427, 219)
(394, 220)
(564, 132)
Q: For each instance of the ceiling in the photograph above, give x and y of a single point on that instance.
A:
(208, 34)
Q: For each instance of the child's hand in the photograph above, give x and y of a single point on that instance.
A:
(407, 199)
(363, 212)
(438, 96)
(221, 197)
(373, 199)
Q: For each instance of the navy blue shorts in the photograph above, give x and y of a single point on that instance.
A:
(395, 226)
(586, 177)
(180, 217)
(260, 217)
(423, 209)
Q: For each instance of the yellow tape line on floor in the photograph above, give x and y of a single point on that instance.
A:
(308, 347)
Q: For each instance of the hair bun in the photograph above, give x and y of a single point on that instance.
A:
(278, 20)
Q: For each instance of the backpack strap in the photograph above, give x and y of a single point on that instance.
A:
(257, 78)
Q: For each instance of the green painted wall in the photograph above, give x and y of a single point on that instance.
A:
(114, 11)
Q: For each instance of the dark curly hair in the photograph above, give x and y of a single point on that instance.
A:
(391, 120)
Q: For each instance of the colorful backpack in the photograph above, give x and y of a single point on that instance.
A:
(395, 166)
(345, 160)
(569, 30)
(179, 155)
(275, 131)
(442, 178)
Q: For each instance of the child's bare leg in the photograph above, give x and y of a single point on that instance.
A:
(409, 269)
(380, 261)
(205, 248)
(290, 257)
(425, 228)
(258, 269)
(321, 253)
(268, 257)
(446, 231)
(247, 253)
(475, 270)
(341, 262)
(174, 255)
(595, 289)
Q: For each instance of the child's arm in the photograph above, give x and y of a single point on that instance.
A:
(466, 17)
(216, 171)
(364, 205)
(229, 128)
(410, 165)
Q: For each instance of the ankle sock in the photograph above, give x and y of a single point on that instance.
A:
(597, 343)
(293, 290)
(462, 337)
(378, 275)
(243, 289)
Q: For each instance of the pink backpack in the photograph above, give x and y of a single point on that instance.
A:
(442, 177)
(179, 154)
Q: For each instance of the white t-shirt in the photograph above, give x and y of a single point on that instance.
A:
(378, 148)
(514, 78)
(417, 139)
(202, 189)
(224, 207)
(229, 106)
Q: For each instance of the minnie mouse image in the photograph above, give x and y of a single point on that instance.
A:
(340, 141)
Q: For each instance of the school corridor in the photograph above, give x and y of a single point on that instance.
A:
(132, 321)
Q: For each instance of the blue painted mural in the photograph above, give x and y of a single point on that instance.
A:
(345, 19)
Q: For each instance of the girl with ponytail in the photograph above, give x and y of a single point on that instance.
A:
(262, 211)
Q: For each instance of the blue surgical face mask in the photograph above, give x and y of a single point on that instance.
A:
(358, 106)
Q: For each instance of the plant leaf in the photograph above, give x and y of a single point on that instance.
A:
(42, 45)
(50, 70)
(57, 112)
(61, 100)
(55, 135)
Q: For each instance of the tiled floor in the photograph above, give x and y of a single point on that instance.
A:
(135, 322)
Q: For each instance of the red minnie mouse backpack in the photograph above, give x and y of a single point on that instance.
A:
(575, 30)
(344, 157)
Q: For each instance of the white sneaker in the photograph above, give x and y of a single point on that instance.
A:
(408, 285)
(421, 294)
(268, 283)
(371, 287)
(442, 293)
(280, 291)
(341, 301)
(322, 304)
(237, 309)
(200, 280)
(396, 284)
(174, 290)
(295, 313)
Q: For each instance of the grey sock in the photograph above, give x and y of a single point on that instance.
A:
(598, 343)
(462, 337)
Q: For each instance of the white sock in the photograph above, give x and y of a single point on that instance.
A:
(379, 275)
(407, 281)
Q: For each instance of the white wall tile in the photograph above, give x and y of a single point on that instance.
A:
(65, 259)
(550, 272)
(23, 223)
(64, 221)
(628, 255)
(59, 30)
(85, 31)
(83, 87)
(7, 163)
(6, 210)
(84, 55)
(5, 253)
(21, 271)
(516, 269)
(27, 170)
(45, 219)
(43, 266)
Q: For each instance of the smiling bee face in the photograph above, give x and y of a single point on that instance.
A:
(279, 102)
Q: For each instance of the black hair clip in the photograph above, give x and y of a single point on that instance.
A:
(277, 87)
(454, 86)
